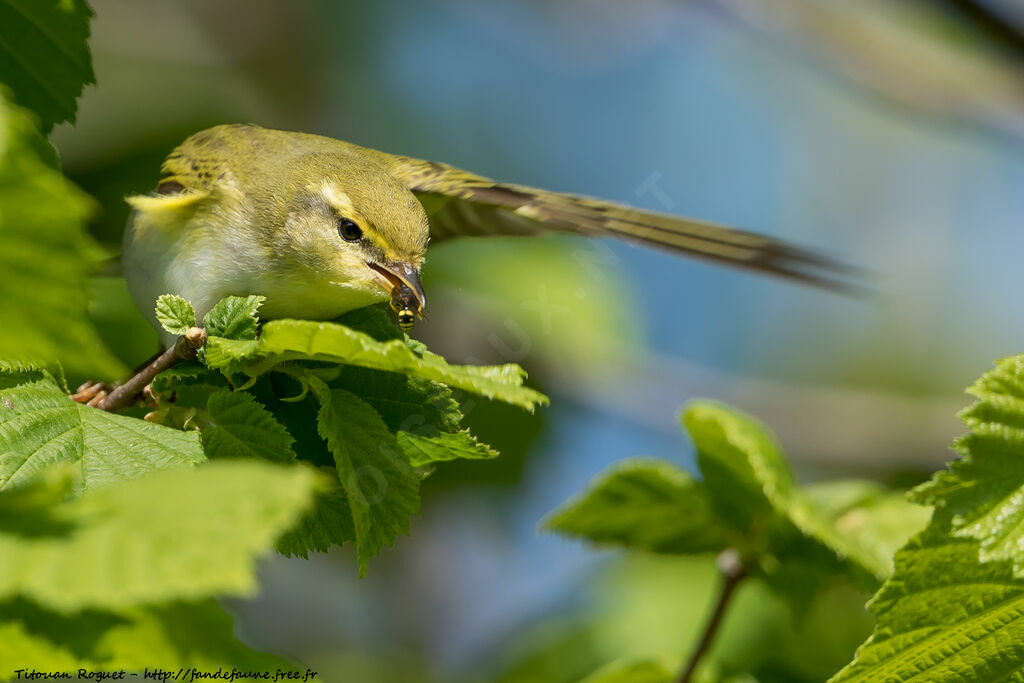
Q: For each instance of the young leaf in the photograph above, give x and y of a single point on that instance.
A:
(177, 534)
(874, 520)
(234, 317)
(743, 469)
(40, 426)
(175, 314)
(982, 490)
(643, 504)
(237, 426)
(753, 492)
(45, 254)
(381, 487)
(45, 58)
(287, 340)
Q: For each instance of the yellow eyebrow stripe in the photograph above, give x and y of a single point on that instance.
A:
(338, 200)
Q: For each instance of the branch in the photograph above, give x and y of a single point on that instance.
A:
(184, 348)
(733, 572)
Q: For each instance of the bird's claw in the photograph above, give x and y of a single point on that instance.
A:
(91, 393)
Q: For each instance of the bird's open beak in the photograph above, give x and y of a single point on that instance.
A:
(398, 273)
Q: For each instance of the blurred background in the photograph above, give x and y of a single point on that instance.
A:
(886, 134)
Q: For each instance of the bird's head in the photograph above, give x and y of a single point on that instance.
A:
(348, 233)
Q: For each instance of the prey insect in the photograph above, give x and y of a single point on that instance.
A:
(406, 306)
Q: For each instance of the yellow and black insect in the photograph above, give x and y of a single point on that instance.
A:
(405, 305)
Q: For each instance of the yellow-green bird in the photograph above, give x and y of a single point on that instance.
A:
(321, 227)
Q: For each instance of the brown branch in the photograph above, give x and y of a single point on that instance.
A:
(184, 348)
(733, 572)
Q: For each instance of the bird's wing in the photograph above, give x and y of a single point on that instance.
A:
(464, 204)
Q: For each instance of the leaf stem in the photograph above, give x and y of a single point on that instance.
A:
(730, 566)
(184, 348)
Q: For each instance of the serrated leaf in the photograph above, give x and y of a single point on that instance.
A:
(40, 427)
(643, 504)
(179, 534)
(328, 524)
(234, 317)
(170, 636)
(45, 254)
(45, 57)
(954, 606)
(288, 340)
(983, 491)
(175, 314)
(944, 616)
(405, 403)
(381, 487)
(237, 426)
(429, 446)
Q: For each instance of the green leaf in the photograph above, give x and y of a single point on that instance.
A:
(288, 340)
(744, 471)
(45, 56)
(944, 616)
(170, 636)
(423, 414)
(45, 254)
(874, 521)
(405, 403)
(752, 491)
(174, 635)
(381, 487)
(630, 672)
(983, 489)
(954, 606)
(238, 426)
(431, 446)
(234, 317)
(179, 534)
(33, 651)
(187, 384)
(328, 524)
(40, 426)
(643, 504)
(175, 314)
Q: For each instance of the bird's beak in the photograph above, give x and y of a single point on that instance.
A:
(399, 273)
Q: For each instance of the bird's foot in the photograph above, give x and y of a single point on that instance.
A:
(91, 393)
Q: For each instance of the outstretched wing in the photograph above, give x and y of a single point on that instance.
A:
(463, 204)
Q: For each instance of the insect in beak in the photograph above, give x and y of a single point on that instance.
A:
(407, 297)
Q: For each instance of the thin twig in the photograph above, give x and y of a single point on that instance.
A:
(184, 348)
(733, 572)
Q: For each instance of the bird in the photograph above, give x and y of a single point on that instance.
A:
(321, 227)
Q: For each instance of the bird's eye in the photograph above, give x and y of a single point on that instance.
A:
(349, 230)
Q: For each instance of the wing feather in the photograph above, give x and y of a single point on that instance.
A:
(463, 204)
